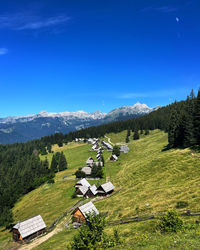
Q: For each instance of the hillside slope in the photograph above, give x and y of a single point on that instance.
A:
(146, 175)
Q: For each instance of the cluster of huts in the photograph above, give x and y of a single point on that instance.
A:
(90, 163)
(84, 189)
(35, 226)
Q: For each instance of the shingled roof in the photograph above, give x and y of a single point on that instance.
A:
(107, 187)
(93, 189)
(30, 226)
(124, 149)
(83, 189)
(86, 170)
(82, 182)
(88, 208)
(89, 161)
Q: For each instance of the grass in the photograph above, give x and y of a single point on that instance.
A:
(147, 174)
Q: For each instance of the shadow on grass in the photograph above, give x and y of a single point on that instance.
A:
(167, 147)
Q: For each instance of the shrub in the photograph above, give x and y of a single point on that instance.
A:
(50, 181)
(74, 195)
(80, 174)
(92, 236)
(181, 204)
(170, 222)
(116, 151)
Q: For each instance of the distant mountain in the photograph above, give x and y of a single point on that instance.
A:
(25, 128)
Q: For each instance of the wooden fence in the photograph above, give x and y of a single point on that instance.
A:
(77, 204)
(152, 216)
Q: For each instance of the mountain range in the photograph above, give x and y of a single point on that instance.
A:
(24, 128)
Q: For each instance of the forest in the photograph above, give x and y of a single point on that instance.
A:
(21, 169)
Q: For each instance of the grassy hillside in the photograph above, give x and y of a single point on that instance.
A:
(147, 174)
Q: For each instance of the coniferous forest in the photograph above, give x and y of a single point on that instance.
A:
(21, 169)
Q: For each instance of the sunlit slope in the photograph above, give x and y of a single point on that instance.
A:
(149, 178)
(51, 200)
(152, 179)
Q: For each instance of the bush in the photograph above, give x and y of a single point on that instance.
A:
(116, 151)
(97, 172)
(170, 222)
(136, 135)
(80, 174)
(50, 181)
(181, 204)
(91, 235)
(74, 195)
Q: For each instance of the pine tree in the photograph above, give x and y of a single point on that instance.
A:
(62, 165)
(136, 135)
(172, 128)
(116, 151)
(127, 139)
(54, 165)
(49, 148)
(197, 119)
(102, 160)
(188, 124)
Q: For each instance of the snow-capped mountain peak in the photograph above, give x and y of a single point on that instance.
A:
(24, 128)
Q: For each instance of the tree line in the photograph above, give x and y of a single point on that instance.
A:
(21, 171)
(184, 124)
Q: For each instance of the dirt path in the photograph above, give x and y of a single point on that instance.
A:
(109, 140)
(118, 143)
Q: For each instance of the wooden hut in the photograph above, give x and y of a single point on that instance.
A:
(80, 213)
(113, 158)
(124, 149)
(91, 192)
(105, 189)
(90, 162)
(81, 183)
(82, 190)
(29, 229)
(87, 170)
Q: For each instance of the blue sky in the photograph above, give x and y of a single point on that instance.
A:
(96, 55)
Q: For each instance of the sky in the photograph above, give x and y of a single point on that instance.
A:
(96, 55)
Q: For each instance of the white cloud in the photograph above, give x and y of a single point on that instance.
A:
(3, 51)
(177, 19)
(164, 9)
(154, 94)
(27, 21)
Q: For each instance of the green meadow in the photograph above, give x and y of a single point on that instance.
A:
(150, 179)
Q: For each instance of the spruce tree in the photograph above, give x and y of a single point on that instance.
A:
(188, 125)
(127, 139)
(136, 135)
(197, 119)
(102, 160)
(116, 151)
(172, 128)
(62, 165)
(54, 165)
